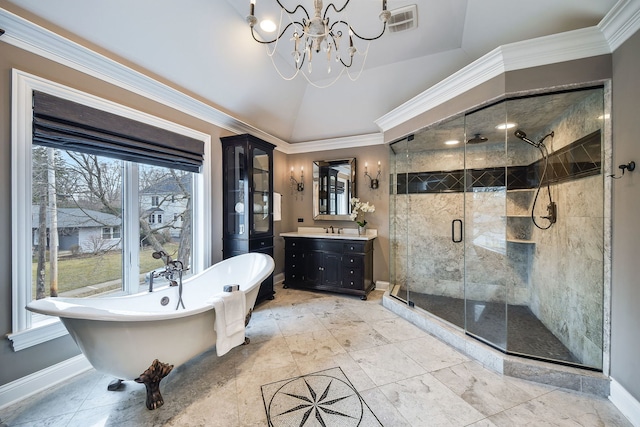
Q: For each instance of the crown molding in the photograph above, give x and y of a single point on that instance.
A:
(335, 143)
(622, 21)
(617, 26)
(38, 40)
(546, 50)
(567, 46)
(479, 71)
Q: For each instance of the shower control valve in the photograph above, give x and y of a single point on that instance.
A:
(552, 213)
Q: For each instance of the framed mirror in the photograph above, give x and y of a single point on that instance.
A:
(334, 184)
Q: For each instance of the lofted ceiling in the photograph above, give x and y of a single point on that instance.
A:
(204, 47)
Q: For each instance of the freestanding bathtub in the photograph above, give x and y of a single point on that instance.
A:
(126, 336)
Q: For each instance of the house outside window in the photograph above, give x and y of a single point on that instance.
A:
(155, 201)
(82, 212)
(109, 233)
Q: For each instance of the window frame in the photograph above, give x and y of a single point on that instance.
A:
(30, 329)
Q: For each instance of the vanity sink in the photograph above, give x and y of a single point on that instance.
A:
(324, 233)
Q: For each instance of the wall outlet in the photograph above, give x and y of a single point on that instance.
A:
(300, 219)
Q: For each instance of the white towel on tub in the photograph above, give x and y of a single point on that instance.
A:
(230, 308)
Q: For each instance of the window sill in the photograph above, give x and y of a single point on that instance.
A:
(41, 332)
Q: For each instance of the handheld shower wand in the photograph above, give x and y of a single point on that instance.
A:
(552, 208)
(523, 136)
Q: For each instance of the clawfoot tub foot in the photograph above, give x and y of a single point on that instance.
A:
(151, 379)
(248, 317)
(115, 385)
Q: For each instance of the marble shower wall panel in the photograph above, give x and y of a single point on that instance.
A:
(578, 121)
(437, 160)
(435, 262)
(568, 263)
(568, 270)
(492, 265)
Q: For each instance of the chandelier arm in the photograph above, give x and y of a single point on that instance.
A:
(345, 64)
(291, 12)
(334, 8)
(279, 35)
(358, 35)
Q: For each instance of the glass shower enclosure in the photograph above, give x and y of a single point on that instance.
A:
(497, 224)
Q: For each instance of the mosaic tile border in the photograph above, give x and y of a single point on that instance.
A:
(579, 159)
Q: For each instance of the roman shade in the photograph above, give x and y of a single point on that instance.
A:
(68, 125)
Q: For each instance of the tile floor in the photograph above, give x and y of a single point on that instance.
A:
(406, 376)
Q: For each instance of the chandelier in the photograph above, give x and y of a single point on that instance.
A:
(325, 36)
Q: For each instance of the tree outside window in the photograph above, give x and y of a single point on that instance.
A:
(77, 206)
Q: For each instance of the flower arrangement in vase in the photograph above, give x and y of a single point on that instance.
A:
(358, 211)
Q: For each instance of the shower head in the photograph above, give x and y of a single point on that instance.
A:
(523, 136)
(477, 139)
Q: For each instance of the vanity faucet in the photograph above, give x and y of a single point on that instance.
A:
(331, 227)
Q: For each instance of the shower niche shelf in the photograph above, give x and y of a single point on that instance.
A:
(518, 219)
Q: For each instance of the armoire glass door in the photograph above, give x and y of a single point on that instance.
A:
(261, 192)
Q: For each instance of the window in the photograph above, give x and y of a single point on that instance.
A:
(85, 206)
(155, 201)
(156, 218)
(109, 233)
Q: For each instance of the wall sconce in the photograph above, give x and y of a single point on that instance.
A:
(373, 182)
(299, 185)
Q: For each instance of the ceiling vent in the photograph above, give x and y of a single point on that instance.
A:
(403, 19)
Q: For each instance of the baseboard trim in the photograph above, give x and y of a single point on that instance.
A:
(278, 280)
(625, 402)
(38, 381)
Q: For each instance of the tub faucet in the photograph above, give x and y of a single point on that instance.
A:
(331, 227)
(152, 275)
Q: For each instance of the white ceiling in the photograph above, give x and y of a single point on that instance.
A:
(205, 47)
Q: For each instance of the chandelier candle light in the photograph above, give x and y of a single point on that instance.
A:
(358, 210)
(317, 35)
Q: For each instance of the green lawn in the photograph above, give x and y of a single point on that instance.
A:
(82, 271)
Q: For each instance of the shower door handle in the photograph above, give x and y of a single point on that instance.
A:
(453, 231)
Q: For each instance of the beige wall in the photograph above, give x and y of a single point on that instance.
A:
(625, 306)
(299, 205)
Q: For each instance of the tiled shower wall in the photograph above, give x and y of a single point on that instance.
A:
(559, 276)
(567, 267)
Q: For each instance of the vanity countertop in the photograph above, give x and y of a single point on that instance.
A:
(321, 233)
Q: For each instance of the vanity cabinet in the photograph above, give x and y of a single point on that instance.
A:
(338, 265)
(247, 200)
